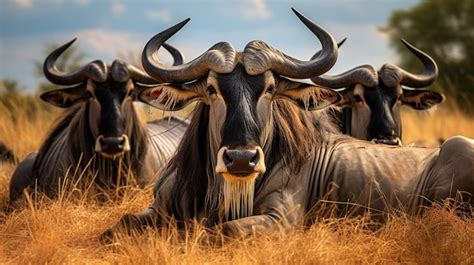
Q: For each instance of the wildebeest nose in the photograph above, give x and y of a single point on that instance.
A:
(240, 162)
(112, 145)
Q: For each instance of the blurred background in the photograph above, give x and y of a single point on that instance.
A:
(108, 29)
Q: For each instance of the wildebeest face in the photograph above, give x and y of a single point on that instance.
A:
(376, 114)
(111, 116)
(110, 111)
(238, 112)
(376, 111)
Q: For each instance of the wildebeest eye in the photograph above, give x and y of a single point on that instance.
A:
(270, 89)
(211, 90)
(358, 99)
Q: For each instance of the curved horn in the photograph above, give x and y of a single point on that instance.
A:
(429, 75)
(365, 75)
(141, 77)
(260, 57)
(318, 53)
(178, 57)
(96, 70)
(219, 58)
(122, 71)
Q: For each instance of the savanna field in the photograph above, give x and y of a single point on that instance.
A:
(67, 230)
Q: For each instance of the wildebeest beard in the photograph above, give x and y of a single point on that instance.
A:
(198, 192)
(70, 148)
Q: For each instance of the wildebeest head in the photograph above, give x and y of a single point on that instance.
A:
(374, 98)
(109, 91)
(241, 90)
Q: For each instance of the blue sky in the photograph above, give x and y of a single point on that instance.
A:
(109, 29)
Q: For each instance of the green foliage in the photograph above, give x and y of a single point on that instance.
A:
(445, 30)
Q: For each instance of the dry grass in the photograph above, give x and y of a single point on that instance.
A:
(66, 231)
(432, 125)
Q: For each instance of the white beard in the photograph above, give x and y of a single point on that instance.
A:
(238, 195)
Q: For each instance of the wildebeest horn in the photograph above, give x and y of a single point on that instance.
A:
(392, 75)
(318, 53)
(122, 71)
(365, 75)
(219, 58)
(260, 57)
(96, 70)
(178, 57)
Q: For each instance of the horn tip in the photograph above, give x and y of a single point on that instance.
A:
(69, 43)
(298, 14)
(342, 42)
(180, 25)
(406, 43)
(184, 22)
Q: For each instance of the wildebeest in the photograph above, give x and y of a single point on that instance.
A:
(372, 99)
(100, 133)
(254, 157)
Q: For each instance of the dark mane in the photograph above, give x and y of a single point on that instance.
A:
(189, 163)
(296, 133)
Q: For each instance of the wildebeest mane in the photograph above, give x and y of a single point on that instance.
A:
(189, 163)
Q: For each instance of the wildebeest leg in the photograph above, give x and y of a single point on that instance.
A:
(279, 210)
(252, 224)
(132, 223)
(22, 177)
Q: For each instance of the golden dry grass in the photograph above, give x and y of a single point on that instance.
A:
(442, 122)
(66, 231)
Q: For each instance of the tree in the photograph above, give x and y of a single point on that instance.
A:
(12, 98)
(445, 30)
(72, 59)
(9, 86)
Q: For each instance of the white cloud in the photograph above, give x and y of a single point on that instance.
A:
(256, 9)
(117, 8)
(23, 3)
(159, 15)
(109, 42)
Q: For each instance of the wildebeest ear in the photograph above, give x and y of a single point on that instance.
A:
(346, 97)
(66, 97)
(168, 97)
(421, 99)
(307, 96)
